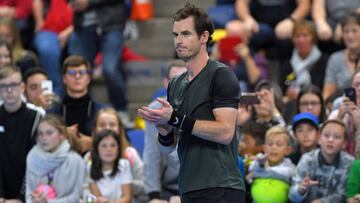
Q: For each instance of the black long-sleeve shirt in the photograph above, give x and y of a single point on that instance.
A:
(17, 137)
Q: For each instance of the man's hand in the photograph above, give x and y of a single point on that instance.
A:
(251, 26)
(324, 31)
(284, 28)
(346, 106)
(157, 116)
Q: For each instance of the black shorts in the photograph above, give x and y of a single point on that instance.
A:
(214, 195)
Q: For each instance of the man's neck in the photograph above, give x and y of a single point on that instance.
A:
(11, 108)
(196, 64)
(76, 95)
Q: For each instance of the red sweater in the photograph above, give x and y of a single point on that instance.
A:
(22, 7)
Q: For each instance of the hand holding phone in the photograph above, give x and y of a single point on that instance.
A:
(47, 86)
(350, 92)
(249, 99)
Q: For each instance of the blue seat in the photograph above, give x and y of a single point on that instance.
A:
(136, 138)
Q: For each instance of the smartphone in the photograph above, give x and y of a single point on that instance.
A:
(249, 98)
(47, 86)
(350, 92)
(227, 49)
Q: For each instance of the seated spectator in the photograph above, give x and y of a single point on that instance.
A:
(77, 107)
(5, 54)
(270, 175)
(55, 173)
(328, 14)
(53, 26)
(349, 112)
(22, 58)
(18, 121)
(306, 130)
(251, 141)
(266, 29)
(108, 119)
(34, 91)
(161, 170)
(251, 137)
(353, 183)
(110, 174)
(99, 26)
(268, 111)
(321, 174)
(341, 64)
(20, 12)
(310, 100)
(248, 66)
(307, 64)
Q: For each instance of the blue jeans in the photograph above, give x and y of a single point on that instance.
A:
(47, 45)
(87, 42)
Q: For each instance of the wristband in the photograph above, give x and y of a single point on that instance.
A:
(182, 122)
(166, 140)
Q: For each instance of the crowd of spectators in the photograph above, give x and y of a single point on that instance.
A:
(298, 142)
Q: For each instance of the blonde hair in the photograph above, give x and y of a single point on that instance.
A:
(278, 130)
(16, 44)
(123, 140)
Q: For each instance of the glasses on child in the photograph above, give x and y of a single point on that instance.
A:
(75, 72)
(309, 103)
(12, 86)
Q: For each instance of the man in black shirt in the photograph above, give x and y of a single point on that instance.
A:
(18, 123)
(77, 107)
(200, 115)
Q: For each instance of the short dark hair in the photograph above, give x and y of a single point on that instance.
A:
(336, 121)
(202, 20)
(96, 166)
(32, 71)
(312, 89)
(352, 17)
(75, 61)
(255, 130)
(272, 86)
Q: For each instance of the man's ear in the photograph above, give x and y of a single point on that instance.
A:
(204, 38)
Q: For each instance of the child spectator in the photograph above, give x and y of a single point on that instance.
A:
(272, 173)
(321, 174)
(353, 183)
(55, 173)
(110, 174)
(306, 129)
(108, 118)
(252, 140)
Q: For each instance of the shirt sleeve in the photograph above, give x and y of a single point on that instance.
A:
(331, 69)
(125, 170)
(353, 182)
(226, 89)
